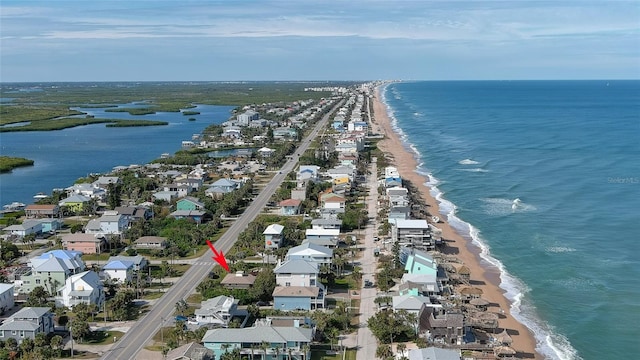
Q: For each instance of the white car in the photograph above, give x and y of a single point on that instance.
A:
(192, 321)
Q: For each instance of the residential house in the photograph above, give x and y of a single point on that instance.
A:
(85, 243)
(273, 238)
(447, 328)
(181, 190)
(392, 182)
(348, 159)
(221, 187)
(232, 132)
(285, 133)
(7, 300)
(49, 270)
(36, 211)
(341, 185)
(50, 225)
(281, 341)
(298, 286)
(238, 280)
(133, 213)
(109, 223)
(167, 196)
(192, 183)
(27, 323)
(341, 172)
(83, 288)
(289, 207)
(151, 242)
(219, 310)
(332, 203)
(103, 182)
(330, 243)
(399, 213)
(413, 232)
(416, 305)
(347, 148)
(28, 227)
(75, 203)
(197, 216)
(311, 252)
(119, 271)
(434, 353)
(190, 351)
(189, 203)
(322, 234)
(308, 173)
(322, 223)
(86, 190)
(266, 152)
(139, 262)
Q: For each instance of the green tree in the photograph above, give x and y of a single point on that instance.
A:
(384, 352)
(263, 286)
(57, 342)
(182, 306)
(38, 297)
(79, 329)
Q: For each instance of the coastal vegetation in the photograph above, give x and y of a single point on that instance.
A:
(8, 163)
(65, 123)
(132, 111)
(54, 102)
(186, 113)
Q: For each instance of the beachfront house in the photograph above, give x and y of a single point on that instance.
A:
(412, 232)
(27, 323)
(280, 341)
(273, 238)
(434, 353)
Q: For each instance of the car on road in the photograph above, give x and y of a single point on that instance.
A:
(368, 283)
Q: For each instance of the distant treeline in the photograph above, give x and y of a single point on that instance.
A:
(65, 123)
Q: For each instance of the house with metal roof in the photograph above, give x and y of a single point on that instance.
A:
(50, 270)
(412, 232)
(280, 341)
(28, 227)
(27, 323)
(150, 242)
(74, 202)
(84, 288)
(298, 286)
(273, 236)
(7, 300)
(85, 243)
(219, 310)
(189, 203)
(311, 252)
(190, 351)
(322, 223)
(119, 271)
(139, 262)
(434, 353)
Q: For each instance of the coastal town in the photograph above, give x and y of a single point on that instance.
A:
(332, 248)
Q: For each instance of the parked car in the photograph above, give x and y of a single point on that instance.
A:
(192, 321)
(181, 318)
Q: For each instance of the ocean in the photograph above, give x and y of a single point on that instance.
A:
(63, 156)
(544, 176)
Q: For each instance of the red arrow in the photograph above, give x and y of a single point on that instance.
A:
(219, 257)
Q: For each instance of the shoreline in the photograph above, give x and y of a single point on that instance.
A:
(485, 277)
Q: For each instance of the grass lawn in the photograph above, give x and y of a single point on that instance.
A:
(152, 295)
(103, 337)
(194, 298)
(322, 355)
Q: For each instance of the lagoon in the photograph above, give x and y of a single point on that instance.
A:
(63, 156)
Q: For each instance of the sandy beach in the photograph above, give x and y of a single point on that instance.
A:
(483, 277)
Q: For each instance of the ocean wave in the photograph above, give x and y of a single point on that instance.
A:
(559, 249)
(503, 207)
(468, 162)
(548, 342)
(480, 170)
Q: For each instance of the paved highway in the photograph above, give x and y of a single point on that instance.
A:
(142, 332)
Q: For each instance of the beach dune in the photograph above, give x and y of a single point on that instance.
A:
(483, 275)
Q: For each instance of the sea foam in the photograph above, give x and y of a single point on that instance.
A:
(468, 162)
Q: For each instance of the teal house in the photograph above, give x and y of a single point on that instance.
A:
(418, 262)
(262, 341)
(189, 203)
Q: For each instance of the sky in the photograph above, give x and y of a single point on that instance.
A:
(243, 40)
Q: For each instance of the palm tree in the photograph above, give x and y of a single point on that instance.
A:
(401, 347)
(306, 348)
(225, 347)
(384, 351)
(264, 346)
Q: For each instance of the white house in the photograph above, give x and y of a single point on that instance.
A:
(26, 228)
(110, 223)
(273, 236)
(311, 252)
(7, 301)
(308, 172)
(266, 152)
(82, 288)
(322, 233)
(218, 310)
(119, 271)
